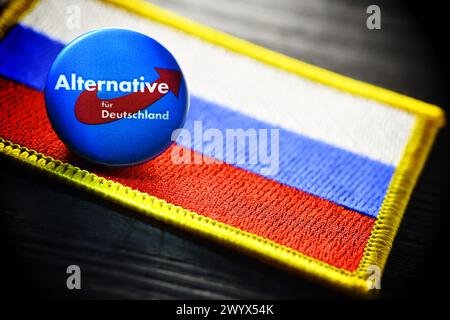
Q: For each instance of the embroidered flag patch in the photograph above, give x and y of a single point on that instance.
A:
(295, 165)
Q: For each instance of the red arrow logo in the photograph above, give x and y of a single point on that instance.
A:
(88, 107)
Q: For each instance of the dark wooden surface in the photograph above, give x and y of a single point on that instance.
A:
(46, 226)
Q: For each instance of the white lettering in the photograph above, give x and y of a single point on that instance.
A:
(135, 85)
(62, 82)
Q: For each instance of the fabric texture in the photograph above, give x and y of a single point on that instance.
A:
(252, 203)
(350, 153)
(321, 169)
(248, 86)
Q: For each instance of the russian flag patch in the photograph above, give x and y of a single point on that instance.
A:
(298, 166)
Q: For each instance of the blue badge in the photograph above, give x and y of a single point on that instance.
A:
(116, 96)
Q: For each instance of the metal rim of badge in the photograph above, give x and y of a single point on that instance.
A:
(116, 97)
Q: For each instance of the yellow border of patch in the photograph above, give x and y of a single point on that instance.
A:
(12, 13)
(429, 119)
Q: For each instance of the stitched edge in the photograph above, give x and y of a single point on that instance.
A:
(393, 207)
(153, 207)
(391, 213)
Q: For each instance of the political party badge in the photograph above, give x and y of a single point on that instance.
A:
(116, 97)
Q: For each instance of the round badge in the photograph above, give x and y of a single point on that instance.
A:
(116, 97)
